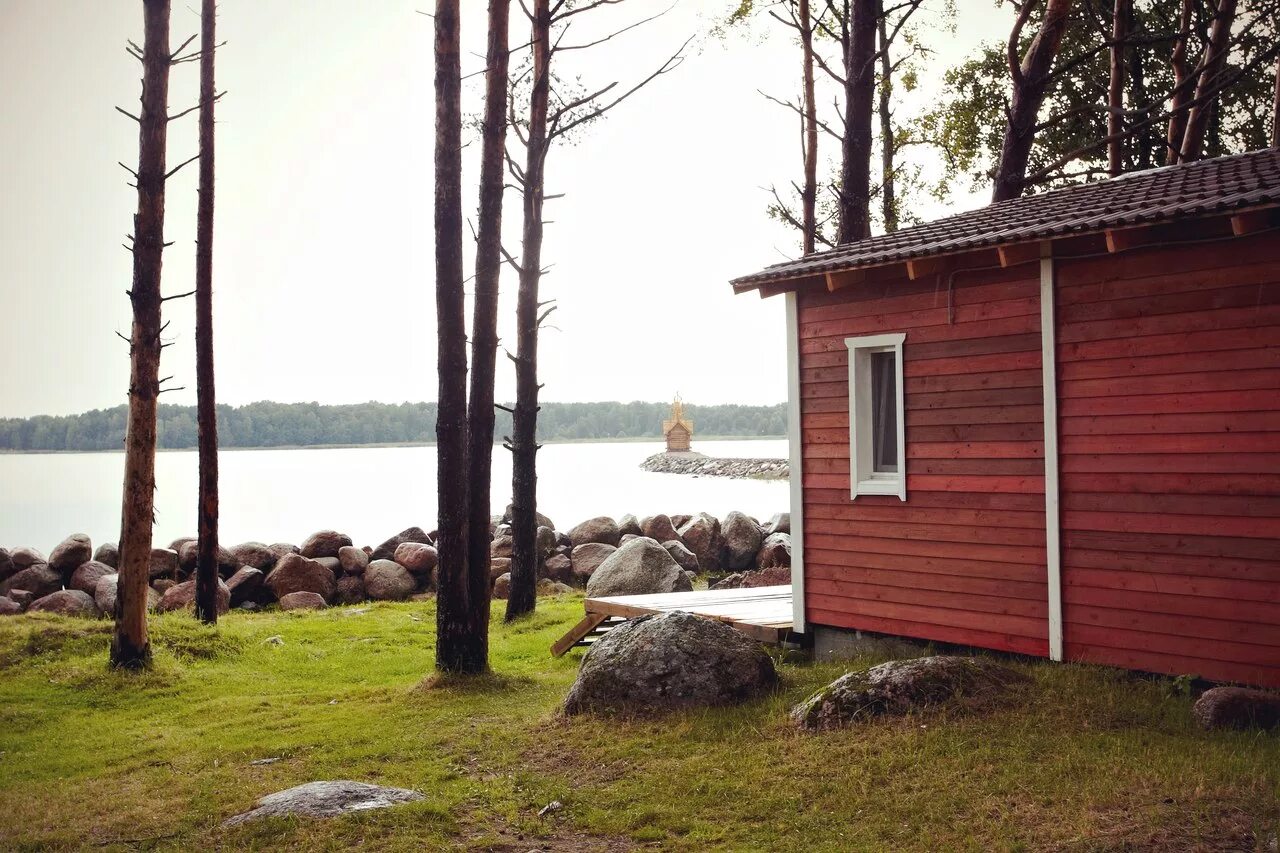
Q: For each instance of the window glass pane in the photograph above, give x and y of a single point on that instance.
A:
(884, 415)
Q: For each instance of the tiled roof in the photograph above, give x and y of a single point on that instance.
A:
(1186, 191)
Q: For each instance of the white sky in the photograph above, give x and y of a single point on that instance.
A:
(323, 243)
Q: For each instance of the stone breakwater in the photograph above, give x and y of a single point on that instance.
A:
(706, 466)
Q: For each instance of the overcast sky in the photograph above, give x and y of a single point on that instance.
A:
(323, 243)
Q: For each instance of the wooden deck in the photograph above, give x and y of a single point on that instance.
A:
(762, 613)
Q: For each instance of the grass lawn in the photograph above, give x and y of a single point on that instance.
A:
(1089, 759)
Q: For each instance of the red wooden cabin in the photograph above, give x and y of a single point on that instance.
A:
(1049, 426)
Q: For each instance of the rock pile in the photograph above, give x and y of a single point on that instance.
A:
(704, 466)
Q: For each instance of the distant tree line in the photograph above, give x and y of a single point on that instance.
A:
(268, 424)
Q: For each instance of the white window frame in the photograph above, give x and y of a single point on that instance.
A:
(863, 479)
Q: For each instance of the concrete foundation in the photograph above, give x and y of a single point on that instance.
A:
(845, 644)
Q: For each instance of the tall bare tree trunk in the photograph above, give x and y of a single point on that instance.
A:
(130, 647)
(484, 333)
(458, 648)
(1203, 104)
(1275, 110)
(809, 195)
(524, 427)
(1143, 154)
(859, 98)
(206, 411)
(888, 192)
(1181, 86)
(1031, 79)
(1115, 93)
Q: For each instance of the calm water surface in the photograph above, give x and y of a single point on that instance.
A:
(367, 492)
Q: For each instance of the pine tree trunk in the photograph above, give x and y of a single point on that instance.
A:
(1181, 87)
(1030, 82)
(1142, 152)
(130, 647)
(524, 429)
(1215, 55)
(206, 411)
(859, 102)
(1115, 92)
(888, 191)
(1275, 110)
(458, 647)
(484, 334)
(809, 195)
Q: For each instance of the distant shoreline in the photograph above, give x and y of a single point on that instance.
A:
(628, 440)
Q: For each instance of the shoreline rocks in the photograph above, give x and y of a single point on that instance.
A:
(705, 466)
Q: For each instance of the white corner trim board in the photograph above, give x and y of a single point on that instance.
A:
(796, 449)
(1049, 375)
(864, 477)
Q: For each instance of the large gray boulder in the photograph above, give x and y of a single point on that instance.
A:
(164, 561)
(325, 799)
(780, 523)
(775, 551)
(245, 585)
(682, 555)
(602, 529)
(109, 554)
(508, 516)
(25, 558)
(419, 559)
(658, 527)
(38, 579)
(68, 602)
(324, 543)
(640, 567)
(71, 553)
(302, 601)
(86, 576)
(255, 555)
(189, 555)
(701, 535)
(903, 686)
(104, 595)
(545, 542)
(183, 595)
(670, 660)
(629, 524)
(9, 607)
(386, 580)
(295, 573)
(1237, 708)
(353, 560)
(350, 590)
(742, 540)
(6, 564)
(587, 558)
(387, 550)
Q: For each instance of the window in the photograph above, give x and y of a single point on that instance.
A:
(877, 434)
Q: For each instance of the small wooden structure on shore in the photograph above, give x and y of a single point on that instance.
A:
(678, 430)
(762, 613)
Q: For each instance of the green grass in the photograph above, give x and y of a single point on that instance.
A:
(1087, 759)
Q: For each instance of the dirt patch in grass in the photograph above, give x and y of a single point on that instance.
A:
(1218, 824)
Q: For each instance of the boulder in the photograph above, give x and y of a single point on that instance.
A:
(419, 559)
(733, 581)
(9, 607)
(325, 799)
(71, 553)
(184, 595)
(295, 573)
(68, 602)
(602, 529)
(502, 586)
(85, 578)
(386, 580)
(682, 555)
(680, 520)
(38, 579)
(775, 551)
(501, 546)
(1237, 708)
(332, 564)
(302, 601)
(658, 527)
(547, 586)
(25, 558)
(903, 686)
(108, 554)
(670, 660)
(22, 597)
(387, 550)
(542, 520)
(245, 585)
(701, 535)
(779, 523)
(104, 595)
(255, 555)
(558, 567)
(349, 590)
(189, 554)
(640, 567)
(163, 585)
(324, 543)
(6, 564)
(629, 524)
(353, 560)
(176, 545)
(280, 549)
(742, 541)
(498, 566)
(545, 543)
(164, 561)
(773, 576)
(627, 537)
(585, 559)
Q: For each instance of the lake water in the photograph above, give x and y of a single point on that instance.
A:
(367, 492)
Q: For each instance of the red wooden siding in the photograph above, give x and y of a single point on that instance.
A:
(1169, 389)
(963, 560)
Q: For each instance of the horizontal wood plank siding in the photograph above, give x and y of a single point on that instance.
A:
(1169, 388)
(963, 560)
